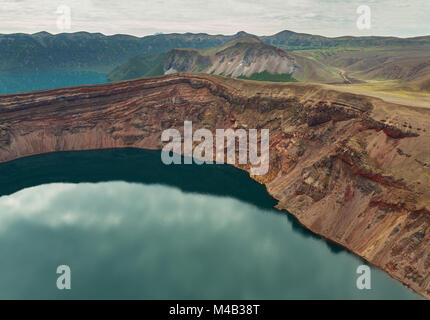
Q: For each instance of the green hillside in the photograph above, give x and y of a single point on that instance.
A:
(143, 65)
(266, 76)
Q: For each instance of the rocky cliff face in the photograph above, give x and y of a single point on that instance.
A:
(245, 56)
(353, 169)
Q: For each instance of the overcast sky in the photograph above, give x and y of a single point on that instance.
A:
(261, 17)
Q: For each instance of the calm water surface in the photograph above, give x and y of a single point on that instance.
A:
(30, 81)
(130, 227)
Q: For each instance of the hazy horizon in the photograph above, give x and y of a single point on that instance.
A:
(330, 18)
(211, 34)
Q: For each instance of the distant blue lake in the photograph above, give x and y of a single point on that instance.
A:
(31, 81)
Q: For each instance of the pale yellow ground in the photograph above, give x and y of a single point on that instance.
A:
(387, 91)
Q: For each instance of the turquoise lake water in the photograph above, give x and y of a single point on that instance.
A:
(31, 81)
(130, 227)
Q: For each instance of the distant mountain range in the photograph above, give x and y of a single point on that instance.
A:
(94, 51)
(89, 51)
(290, 40)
